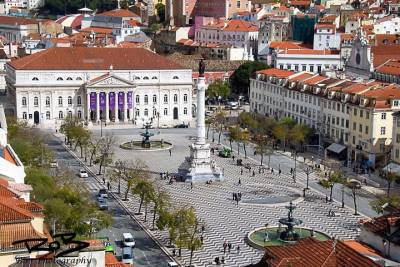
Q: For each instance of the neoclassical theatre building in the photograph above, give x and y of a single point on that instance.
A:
(120, 85)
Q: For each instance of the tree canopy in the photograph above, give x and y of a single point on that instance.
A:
(61, 7)
(218, 89)
(240, 80)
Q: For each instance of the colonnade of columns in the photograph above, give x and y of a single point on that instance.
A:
(95, 103)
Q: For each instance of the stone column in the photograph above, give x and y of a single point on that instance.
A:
(201, 125)
(131, 115)
(88, 107)
(116, 107)
(125, 106)
(107, 107)
(97, 107)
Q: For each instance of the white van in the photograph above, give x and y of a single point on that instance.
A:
(172, 264)
(127, 255)
(127, 240)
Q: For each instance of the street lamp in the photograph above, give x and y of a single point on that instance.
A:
(266, 237)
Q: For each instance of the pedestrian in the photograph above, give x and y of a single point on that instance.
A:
(104, 180)
(224, 246)
(179, 252)
(191, 185)
(280, 171)
(237, 200)
(170, 153)
(240, 196)
(238, 249)
(223, 260)
(203, 228)
(254, 173)
(259, 170)
(229, 247)
(326, 198)
(240, 182)
(233, 158)
(233, 195)
(291, 171)
(174, 252)
(241, 171)
(325, 174)
(108, 185)
(201, 239)
(272, 170)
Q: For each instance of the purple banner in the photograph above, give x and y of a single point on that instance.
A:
(121, 100)
(130, 97)
(112, 100)
(102, 101)
(93, 101)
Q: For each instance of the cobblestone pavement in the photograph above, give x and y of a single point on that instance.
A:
(223, 218)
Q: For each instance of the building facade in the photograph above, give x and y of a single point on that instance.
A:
(16, 29)
(100, 84)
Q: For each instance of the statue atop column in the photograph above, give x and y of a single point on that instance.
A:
(202, 68)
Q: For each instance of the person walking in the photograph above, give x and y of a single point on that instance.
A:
(254, 173)
(191, 185)
(238, 249)
(224, 246)
(104, 180)
(241, 171)
(239, 182)
(229, 247)
(233, 158)
(170, 152)
(108, 186)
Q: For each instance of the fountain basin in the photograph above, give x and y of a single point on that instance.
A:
(256, 238)
(155, 145)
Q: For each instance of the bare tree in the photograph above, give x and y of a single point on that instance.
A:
(105, 150)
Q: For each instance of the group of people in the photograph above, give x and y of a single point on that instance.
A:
(237, 197)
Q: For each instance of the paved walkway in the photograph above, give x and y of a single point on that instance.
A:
(223, 218)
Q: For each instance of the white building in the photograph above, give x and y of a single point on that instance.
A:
(272, 29)
(16, 29)
(326, 37)
(315, 61)
(110, 84)
(23, 4)
(387, 25)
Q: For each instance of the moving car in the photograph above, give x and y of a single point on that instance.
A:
(83, 174)
(182, 125)
(127, 240)
(127, 255)
(102, 202)
(225, 153)
(103, 193)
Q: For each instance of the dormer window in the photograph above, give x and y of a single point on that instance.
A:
(35, 79)
(79, 79)
(137, 78)
(69, 79)
(145, 78)
(154, 78)
(175, 78)
(60, 79)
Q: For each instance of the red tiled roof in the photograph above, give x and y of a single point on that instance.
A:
(134, 23)
(355, 88)
(391, 67)
(97, 30)
(328, 18)
(240, 26)
(284, 45)
(9, 20)
(325, 26)
(5, 192)
(384, 93)
(385, 39)
(301, 77)
(362, 248)
(309, 52)
(83, 58)
(17, 231)
(276, 72)
(118, 13)
(10, 212)
(315, 80)
(111, 261)
(378, 225)
(300, 3)
(312, 253)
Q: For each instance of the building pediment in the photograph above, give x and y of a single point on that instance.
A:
(109, 80)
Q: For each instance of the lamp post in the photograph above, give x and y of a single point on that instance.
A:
(266, 237)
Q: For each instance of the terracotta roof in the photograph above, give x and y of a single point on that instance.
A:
(300, 3)
(387, 92)
(385, 39)
(5, 192)
(315, 80)
(355, 88)
(378, 225)
(391, 67)
(240, 26)
(325, 26)
(17, 231)
(328, 18)
(111, 261)
(118, 13)
(346, 36)
(301, 77)
(362, 248)
(9, 20)
(341, 86)
(284, 45)
(276, 72)
(97, 30)
(10, 212)
(312, 253)
(383, 53)
(82, 58)
(134, 23)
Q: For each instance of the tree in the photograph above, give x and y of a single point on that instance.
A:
(240, 79)
(354, 189)
(160, 7)
(263, 147)
(144, 189)
(244, 138)
(219, 90)
(161, 200)
(105, 150)
(334, 178)
(298, 134)
(280, 132)
(391, 177)
(132, 173)
(246, 120)
(234, 136)
(378, 204)
(94, 145)
(220, 123)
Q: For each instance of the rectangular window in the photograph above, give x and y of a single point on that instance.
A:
(354, 126)
(397, 153)
(383, 116)
(347, 124)
(354, 140)
(361, 113)
(383, 130)
(360, 128)
(355, 112)
(367, 114)
(366, 129)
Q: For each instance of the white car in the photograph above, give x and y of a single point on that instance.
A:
(164, 126)
(127, 240)
(83, 174)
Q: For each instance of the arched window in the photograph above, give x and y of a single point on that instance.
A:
(47, 101)
(137, 99)
(35, 79)
(175, 98)
(60, 79)
(165, 99)
(137, 112)
(146, 112)
(60, 115)
(60, 101)
(24, 115)
(175, 78)
(146, 99)
(145, 78)
(78, 78)
(185, 98)
(79, 100)
(47, 115)
(24, 101)
(70, 101)
(154, 99)
(165, 111)
(69, 79)
(185, 111)
(154, 112)
(36, 101)
(79, 114)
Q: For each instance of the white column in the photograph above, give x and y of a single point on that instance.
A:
(88, 106)
(125, 106)
(201, 125)
(107, 108)
(131, 109)
(116, 106)
(97, 107)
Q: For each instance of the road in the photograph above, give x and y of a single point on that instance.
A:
(277, 161)
(146, 252)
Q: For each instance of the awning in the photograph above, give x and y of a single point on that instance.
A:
(336, 148)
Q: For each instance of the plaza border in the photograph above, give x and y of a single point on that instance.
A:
(132, 215)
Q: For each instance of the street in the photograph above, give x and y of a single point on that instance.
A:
(146, 252)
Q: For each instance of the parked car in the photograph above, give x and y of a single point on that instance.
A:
(172, 264)
(182, 125)
(164, 126)
(108, 247)
(128, 240)
(127, 255)
(54, 164)
(225, 153)
(103, 193)
(102, 202)
(83, 174)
